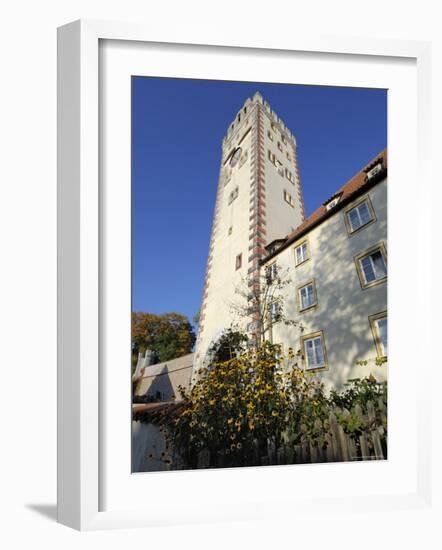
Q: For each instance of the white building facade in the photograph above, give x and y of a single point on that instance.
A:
(337, 265)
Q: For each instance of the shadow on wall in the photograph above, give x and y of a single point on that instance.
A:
(345, 319)
(161, 388)
(148, 448)
(343, 307)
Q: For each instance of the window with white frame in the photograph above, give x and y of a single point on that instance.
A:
(359, 216)
(238, 261)
(274, 312)
(271, 272)
(372, 267)
(379, 326)
(301, 253)
(270, 135)
(307, 296)
(314, 351)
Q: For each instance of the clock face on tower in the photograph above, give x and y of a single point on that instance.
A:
(235, 157)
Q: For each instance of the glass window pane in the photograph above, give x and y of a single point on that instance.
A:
(304, 251)
(364, 213)
(383, 334)
(303, 298)
(318, 352)
(310, 298)
(380, 268)
(368, 270)
(301, 253)
(354, 219)
(309, 350)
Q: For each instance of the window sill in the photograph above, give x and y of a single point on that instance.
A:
(303, 262)
(313, 306)
(352, 232)
(364, 286)
(317, 369)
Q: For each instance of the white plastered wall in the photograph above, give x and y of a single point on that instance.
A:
(343, 308)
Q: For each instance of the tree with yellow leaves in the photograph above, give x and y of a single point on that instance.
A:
(241, 407)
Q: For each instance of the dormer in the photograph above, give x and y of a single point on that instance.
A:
(275, 245)
(332, 201)
(374, 169)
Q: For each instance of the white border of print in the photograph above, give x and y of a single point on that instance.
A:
(118, 61)
(95, 488)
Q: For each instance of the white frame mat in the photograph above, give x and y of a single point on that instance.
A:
(80, 293)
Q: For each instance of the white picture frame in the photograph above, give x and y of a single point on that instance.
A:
(80, 438)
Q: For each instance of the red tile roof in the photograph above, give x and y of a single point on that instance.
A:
(150, 412)
(357, 185)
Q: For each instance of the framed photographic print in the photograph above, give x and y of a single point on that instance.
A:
(230, 219)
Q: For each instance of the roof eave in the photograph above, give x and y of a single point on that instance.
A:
(378, 178)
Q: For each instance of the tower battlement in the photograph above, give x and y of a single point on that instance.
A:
(244, 111)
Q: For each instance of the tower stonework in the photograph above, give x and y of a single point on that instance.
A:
(259, 199)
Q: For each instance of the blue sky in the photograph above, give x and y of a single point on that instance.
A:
(177, 130)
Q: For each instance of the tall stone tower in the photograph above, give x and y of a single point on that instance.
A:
(259, 200)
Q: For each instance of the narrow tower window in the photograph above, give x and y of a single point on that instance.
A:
(238, 262)
(289, 199)
(233, 195)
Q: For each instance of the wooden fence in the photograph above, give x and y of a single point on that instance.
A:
(368, 443)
